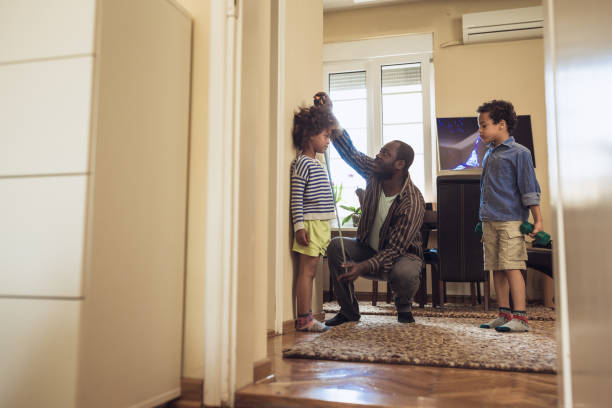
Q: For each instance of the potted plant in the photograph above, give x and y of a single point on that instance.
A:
(355, 214)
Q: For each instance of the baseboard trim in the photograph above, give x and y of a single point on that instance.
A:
(262, 370)
(160, 399)
(289, 325)
(180, 403)
(382, 297)
(192, 394)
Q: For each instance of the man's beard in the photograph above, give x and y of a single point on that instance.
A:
(384, 172)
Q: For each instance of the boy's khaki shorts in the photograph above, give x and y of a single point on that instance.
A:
(504, 245)
(320, 235)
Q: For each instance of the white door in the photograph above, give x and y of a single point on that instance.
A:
(578, 87)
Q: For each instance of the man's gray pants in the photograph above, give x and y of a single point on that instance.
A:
(404, 277)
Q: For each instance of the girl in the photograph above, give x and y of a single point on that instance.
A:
(312, 204)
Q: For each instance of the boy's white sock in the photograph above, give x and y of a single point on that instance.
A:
(517, 324)
(503, 318)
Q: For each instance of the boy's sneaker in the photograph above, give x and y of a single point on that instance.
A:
(495, 323)
(517, 324)
(315, 327)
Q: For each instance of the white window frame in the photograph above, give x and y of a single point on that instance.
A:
(370, 56)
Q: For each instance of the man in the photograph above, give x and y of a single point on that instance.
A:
(388, 244)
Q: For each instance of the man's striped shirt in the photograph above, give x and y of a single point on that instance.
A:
(311, 195)
(400, 234)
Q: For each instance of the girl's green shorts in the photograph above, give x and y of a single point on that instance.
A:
(320, 235)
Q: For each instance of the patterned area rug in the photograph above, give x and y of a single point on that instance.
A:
(434, 341)
(459, 310)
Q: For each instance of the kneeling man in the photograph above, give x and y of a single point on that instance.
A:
(388, 245)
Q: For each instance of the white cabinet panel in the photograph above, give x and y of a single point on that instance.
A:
(132, 316)
(38, 351)
(32, 29)
(42, 224)
(45, 110)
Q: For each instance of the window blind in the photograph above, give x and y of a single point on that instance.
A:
(401, 75)
(347, 81)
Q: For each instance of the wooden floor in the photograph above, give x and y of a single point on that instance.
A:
(318, 383)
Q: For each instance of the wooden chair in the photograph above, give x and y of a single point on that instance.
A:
(475, 295)
(430, 257)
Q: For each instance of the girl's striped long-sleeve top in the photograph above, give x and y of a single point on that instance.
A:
(400, 234)
(311, 195)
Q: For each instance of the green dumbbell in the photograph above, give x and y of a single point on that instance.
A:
(542, 239)
(478, 228)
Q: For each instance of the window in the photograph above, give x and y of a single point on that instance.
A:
(349, 94)
(377, 100)
(402, 112)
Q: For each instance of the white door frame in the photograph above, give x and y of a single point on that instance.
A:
(282, 179)
(222, 167)
(560, 271)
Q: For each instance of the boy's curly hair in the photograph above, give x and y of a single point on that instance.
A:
(498, 110)
(311, 121)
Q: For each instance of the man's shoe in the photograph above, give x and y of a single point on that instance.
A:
(338, 319)
(405, 317)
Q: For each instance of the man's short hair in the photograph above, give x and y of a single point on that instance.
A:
(406, 153)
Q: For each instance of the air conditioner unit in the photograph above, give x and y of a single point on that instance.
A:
(503, 25)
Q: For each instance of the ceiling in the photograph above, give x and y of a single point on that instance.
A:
(333, 5)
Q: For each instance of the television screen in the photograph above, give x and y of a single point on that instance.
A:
(460, 147)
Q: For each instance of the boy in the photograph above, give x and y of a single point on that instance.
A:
(508, 190)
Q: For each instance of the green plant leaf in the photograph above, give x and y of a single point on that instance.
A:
(337, 192)
(345, 219)
(349, 208)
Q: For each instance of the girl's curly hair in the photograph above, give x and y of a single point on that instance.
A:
(311, 121)
(498, 110)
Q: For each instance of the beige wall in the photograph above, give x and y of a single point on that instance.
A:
(193, 340)
(303, 64)
(465, 75)
(468, 75)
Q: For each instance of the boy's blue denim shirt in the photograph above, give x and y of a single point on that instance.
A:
(508, 185)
